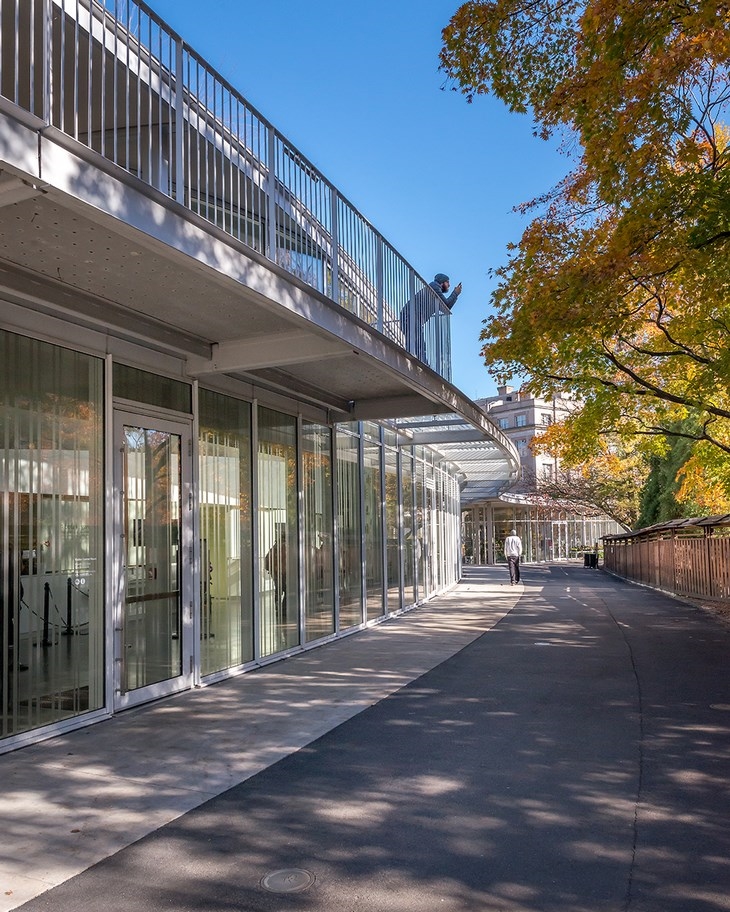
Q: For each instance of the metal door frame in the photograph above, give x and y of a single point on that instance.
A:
(181, 427)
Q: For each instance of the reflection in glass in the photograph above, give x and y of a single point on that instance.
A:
(429, 519)
(319, 596)
(51, 534)
(373, 529)
(226, 627)
(151, 617)
(409, 550)
(278, 541)
(420, 525)
(350, 531)
(392, 529)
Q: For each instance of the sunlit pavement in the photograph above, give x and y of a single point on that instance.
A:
(560, 745)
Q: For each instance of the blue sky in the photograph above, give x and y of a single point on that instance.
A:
(356, 88)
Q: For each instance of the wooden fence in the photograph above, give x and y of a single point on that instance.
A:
(689, 557)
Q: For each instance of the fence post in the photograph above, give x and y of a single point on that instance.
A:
(411, 334)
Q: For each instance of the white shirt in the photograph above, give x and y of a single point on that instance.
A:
(513, 546)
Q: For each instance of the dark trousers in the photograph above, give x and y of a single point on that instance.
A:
(514, 569)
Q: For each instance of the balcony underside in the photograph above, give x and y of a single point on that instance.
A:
(82, 241)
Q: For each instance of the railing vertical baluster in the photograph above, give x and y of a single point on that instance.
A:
(411, 310)
(115, 128)
(90, 82)
(16, 73)
(379, 282)
(335, 264)
(127, 93)
(31, 74)
(47, 62)
(271, 195)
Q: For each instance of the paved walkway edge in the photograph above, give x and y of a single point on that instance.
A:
(71, 801)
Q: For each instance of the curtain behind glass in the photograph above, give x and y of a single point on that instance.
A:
(226, 562)
(51, 533)
(277, 530)
(317, 520)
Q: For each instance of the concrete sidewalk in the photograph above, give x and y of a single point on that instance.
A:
(79, 798)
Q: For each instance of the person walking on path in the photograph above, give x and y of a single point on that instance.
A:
(513, 553)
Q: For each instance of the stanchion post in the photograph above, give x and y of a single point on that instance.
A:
(46, 614)
(68, 631)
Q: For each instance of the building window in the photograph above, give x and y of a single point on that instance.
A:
(547, 419)
(521, 420)
(318, 523)
(522, 446)
(547, 471)
(503, 423)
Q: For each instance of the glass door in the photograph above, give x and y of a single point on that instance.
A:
(153, 627)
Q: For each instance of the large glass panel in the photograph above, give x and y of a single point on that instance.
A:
(393, 526)
(319, 596)
(429, 527)
(278, 540)
(409, 550)
(350, 530)
(226, 561)
(51, 534)
(439, 529)
(152, 606)
(373, 529)
(421, 526)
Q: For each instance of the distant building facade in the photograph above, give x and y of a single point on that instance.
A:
(521, 418)
(549, 529)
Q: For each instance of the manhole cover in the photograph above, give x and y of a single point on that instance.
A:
(290, 880)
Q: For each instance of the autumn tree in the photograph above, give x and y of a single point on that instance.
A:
(612, 479)
(619, 289)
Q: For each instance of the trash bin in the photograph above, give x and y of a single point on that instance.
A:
(586, 559)
(594, 561)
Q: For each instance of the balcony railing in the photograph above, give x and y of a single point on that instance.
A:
(111, 75)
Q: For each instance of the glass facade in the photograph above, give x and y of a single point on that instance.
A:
(51, 534)
(226, 558)
(295, 531)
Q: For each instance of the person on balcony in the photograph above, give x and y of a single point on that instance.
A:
(426, 306)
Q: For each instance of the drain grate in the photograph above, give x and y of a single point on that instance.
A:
(289, 880)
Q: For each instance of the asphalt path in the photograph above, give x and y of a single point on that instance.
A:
(574, 758)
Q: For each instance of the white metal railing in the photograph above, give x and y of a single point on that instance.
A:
(111, 75)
